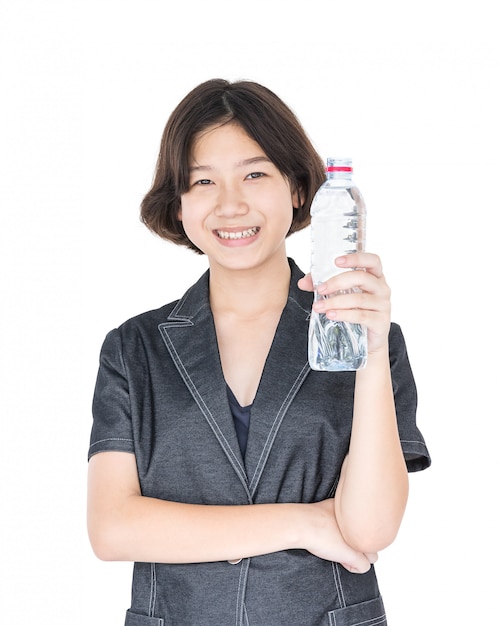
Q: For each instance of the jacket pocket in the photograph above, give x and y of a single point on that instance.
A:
(371, 613)
(133, 619)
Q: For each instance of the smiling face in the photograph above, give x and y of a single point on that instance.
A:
(239, 207)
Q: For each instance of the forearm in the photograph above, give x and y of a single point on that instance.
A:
(148, 529)
(373, 489)
(124, 525)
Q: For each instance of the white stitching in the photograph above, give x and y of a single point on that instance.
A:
(380, 620)
(205, 410)
(275, 427)
(152, 595)
(338, 585)
(240, 597)
(411, 441)
(110, 439)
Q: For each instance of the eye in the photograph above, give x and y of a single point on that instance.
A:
(255, 175)
(203, 181)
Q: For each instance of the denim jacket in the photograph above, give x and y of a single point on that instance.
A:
(161, 395)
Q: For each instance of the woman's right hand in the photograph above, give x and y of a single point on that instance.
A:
(324, 539)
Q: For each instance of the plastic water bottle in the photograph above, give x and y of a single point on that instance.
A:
(338, 222)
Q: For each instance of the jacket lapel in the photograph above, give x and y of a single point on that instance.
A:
(189, 335)
(285, 370)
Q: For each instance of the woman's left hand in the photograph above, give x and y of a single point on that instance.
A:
(369, 303)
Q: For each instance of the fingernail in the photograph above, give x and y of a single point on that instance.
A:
(341, 260)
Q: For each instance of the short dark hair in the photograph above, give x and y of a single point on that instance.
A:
(263, 116)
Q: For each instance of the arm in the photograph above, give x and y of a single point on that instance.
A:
(124, 525)
(373, 488)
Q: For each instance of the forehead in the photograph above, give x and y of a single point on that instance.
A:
(224, 142)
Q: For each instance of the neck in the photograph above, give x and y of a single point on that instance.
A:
(252, 292)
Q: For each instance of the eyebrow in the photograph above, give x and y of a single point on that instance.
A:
(244, 163)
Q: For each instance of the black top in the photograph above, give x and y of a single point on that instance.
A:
(241, 416)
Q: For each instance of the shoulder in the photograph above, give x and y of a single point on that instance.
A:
(126, 341)
(147, 319)
(192, 299)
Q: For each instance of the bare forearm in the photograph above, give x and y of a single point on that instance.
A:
(148, 529)
(124, 525)
(373, 489)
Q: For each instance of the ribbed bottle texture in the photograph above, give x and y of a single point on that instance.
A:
(338, 224)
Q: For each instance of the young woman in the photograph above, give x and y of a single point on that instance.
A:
(248, 489)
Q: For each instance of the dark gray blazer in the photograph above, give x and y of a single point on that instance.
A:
(161, 394)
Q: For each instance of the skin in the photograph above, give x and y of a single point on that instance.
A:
(238, 210)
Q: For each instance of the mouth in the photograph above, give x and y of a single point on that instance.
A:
(237, 234)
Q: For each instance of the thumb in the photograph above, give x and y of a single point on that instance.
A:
(372, 556)
(356, 563)
(306, 283)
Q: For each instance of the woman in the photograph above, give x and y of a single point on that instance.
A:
(247, 488)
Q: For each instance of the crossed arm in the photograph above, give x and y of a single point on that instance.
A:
(363, 518)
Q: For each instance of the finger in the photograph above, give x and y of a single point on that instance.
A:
(366, 260)
(355, 281)
(377, 323)
(306, 283)
(355, 562)
(372, 556)
(359, 565)
(360, 301)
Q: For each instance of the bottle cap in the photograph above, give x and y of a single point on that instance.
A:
(336, 164)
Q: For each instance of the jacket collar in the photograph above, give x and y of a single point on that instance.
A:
(189, 334)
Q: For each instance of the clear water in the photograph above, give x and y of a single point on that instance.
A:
(336, 346)
(337, 228)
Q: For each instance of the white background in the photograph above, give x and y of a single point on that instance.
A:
(409, 90)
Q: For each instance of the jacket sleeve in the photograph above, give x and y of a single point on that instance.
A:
(112, 424)
(405, 395)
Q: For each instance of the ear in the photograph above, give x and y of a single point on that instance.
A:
(179, 214)
(297, 197)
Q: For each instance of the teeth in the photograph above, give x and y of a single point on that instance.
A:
(250, 232)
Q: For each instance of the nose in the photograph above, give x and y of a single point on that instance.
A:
(230, 202)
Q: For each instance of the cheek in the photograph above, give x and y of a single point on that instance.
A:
(191, 222)
(285, 202)
(186, 212)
